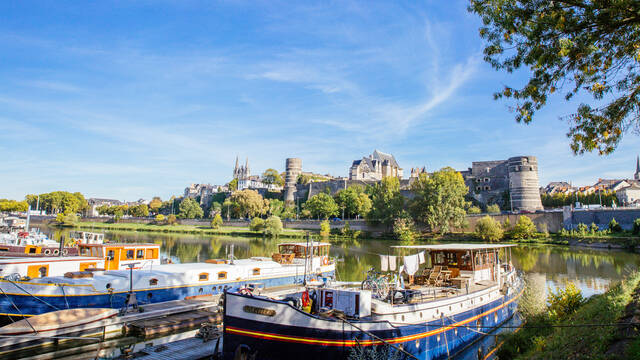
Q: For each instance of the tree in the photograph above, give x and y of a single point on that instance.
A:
(272, 177)
(140, 210)
(159, 218)
(583, 45)
(524, 228)
(439, 199)
(257, 224)
(248, 203)
(155, 204)
(190, 209)
(233, 185)
(59, 201)
(386, 201)
(321, 206)
(474, 210)
(354, 201)
(216, 222)
(493, 209)
(276, 207)
(489, 229)
(404, 228)
(325, 228)
(171, 219)
(13, 205)
(273, 226)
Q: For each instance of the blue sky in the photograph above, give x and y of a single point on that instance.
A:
(136, 99)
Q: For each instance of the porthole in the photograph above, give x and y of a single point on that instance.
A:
(461, 305)
(402, 317)
(108, 286)
(449, 307)
(420, 315)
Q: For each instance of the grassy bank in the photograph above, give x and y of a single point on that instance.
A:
(549, 336)
(183, 229)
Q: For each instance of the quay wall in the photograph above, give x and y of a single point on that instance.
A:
(601, 217)
(553, 220)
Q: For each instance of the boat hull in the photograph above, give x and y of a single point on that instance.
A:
(35, 251)
(24, 299)
(318, 338)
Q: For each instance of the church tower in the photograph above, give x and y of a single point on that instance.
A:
(637, 174)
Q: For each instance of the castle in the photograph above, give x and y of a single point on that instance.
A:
(375, 167)
(512, 183)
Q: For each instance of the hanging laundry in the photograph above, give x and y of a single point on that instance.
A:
(421, 257)
(392, 263)
(384, 262)
(411, 264)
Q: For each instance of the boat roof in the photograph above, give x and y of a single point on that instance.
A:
(45, 259)
(304, 244)
(121, 244)
(441, 247)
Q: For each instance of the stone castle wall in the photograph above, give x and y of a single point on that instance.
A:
(523, 183)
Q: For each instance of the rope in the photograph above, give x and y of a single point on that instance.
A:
(30, 294)
(378, 338)
(64, 294)
(17, 308)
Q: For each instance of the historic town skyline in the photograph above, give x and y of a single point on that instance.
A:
(95, 102)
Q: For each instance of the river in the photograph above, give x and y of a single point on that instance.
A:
(549, 266)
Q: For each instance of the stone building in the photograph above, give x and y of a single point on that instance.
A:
(241, 172)
(375, 167)
(512, 184)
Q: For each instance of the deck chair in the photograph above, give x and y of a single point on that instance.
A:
(435, 277)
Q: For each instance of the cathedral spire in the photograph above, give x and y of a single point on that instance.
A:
(637, 174)
(236, 168)
(246, 165)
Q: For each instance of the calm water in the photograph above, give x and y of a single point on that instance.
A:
(550, 267)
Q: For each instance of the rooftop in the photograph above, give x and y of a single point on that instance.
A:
(455, 246)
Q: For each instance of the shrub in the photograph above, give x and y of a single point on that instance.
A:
(614, 226)
(506, 224)
(356, 234)
(582, 229)
(493, 209)
(636, 227)
(544, 229)
(171, 219)
(159, 218)
(257, 224)
(524, 228)
(594, 229)
(325, 228)
(117, 215)
(474, 210)
(564, 232)
(216, 222)
(404, 229)
(565, 302)
(273, 226)
(489, 229)
(346, 229)
(66, 219)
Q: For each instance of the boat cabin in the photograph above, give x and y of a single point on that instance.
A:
(118, 256)
(86, 237)
(48, 265)
(297, 253)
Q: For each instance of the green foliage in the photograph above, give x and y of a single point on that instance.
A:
(248, 203)
(354, 201)
(13, 205)
(404, 228)
(276, 207)
(155, 204)
(273, 226)
(346, 229)
(118, 214)
(489, 229)
(159, 218)
(322, 206)
(558, 200)
(172, 219)
(439, 200)
(190, 209)
(386, 201)
(493, 209)
(141, 210)
(614, 226)
(325, 228)
(289, 212)
(272, 177)
(636, 227)
(233, 185)
(565, 302)
(593, 229)
(582, 229)
(524, 228)
(58, 201)
(506, 225)
(474, 210)
(216, 222)
(257, 224)
(589, 46)
(66, 219)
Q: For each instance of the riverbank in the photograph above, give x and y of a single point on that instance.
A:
(184, 229)
(589, 333)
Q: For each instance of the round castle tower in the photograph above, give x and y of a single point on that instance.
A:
(293, 169)
(523, 183)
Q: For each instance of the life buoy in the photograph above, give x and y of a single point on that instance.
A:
(56, 252)
(325, 261)
(65, 252)
(47, 252)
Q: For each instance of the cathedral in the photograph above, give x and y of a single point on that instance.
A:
(241, 172)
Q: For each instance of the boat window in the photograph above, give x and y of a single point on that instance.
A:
(153, 281)
(204, 277)
(140, 254)
(439, 258)
(129, 254)
(42, 271)
(152, 254)
(95, 252)
(222, 275)
(111, 255)
(256, 271)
